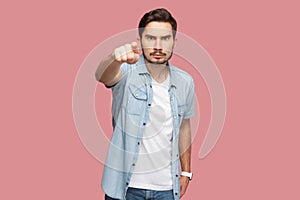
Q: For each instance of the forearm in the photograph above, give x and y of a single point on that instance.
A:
(185, 145)
(108, 71)
(185, 160)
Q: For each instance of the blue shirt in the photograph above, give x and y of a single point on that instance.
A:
(132, 97)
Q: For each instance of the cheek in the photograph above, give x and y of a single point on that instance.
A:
(147, 44)
(169, 46)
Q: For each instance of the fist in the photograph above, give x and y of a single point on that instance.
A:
(127, 53)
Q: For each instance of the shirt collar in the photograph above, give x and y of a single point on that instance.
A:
(142, 69)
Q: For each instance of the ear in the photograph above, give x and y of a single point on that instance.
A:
(138, 40)
(175, 42)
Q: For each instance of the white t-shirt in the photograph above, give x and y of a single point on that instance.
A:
(153, 167)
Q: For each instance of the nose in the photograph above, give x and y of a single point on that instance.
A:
(157, 45)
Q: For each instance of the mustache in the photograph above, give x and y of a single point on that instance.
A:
(157, 52)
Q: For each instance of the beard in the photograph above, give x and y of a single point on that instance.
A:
(158, 62)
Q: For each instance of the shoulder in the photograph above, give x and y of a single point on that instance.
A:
(181, 76)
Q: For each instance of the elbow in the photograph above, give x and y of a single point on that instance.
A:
(97, 77)
(101, 79)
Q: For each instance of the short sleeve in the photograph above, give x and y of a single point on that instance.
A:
(190, 100)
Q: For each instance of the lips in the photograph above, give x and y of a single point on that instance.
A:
(157, 54)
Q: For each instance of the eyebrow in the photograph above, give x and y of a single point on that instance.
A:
(165, 36)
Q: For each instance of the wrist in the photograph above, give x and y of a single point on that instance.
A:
(187, 174)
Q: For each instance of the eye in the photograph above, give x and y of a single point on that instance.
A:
(149, 37)
(166, 38)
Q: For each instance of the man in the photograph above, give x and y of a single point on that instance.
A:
(153, 102)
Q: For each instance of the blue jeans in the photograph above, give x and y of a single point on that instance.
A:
(143, 194)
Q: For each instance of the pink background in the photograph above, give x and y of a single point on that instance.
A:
(255, 45)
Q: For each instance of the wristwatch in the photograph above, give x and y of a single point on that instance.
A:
(187, 174)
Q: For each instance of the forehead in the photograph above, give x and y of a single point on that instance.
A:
(158, 28)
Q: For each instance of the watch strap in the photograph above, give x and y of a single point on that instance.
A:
(187, 174)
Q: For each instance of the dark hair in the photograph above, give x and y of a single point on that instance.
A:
(157, 15)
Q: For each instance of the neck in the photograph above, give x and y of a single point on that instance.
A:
(159, 72)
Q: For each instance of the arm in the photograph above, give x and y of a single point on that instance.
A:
(108, 71)
(185, 153)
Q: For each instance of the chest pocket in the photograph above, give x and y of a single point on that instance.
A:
(137, 100)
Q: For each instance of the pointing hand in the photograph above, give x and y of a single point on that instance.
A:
(127, 53)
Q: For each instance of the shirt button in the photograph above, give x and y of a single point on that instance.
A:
(149, 104)
(176, 175)
(176, 193)
(150, 86)
(127, 183)
(144, 124)
(138, 143)
(133, 164)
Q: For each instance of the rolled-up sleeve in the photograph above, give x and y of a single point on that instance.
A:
(190, 101)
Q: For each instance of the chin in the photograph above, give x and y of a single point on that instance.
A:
(154, 61)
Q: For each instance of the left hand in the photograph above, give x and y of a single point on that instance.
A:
(184, 182)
